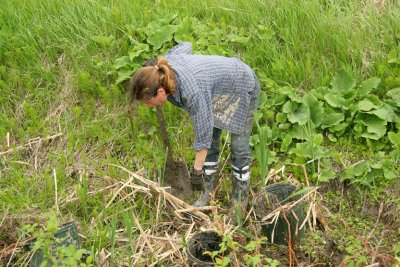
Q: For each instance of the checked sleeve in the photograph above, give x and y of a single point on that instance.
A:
(182, 48)
(202, 119)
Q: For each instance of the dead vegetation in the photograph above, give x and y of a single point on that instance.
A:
(163, 240)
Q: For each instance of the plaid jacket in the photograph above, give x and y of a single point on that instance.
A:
(215, 90)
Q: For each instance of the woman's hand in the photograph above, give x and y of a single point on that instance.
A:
(197, 173)
(200, 159)
(197, 179)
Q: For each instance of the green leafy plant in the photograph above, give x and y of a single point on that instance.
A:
(300, 122)
(50, 250)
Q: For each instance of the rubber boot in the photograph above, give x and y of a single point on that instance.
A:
(210, 168)
(240, 194)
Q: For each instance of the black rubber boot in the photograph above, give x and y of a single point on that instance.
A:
(210, 169)
(205, 197)
(240, 194)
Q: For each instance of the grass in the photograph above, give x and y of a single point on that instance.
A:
(57, 77)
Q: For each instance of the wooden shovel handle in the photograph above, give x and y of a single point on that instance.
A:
(164, 134)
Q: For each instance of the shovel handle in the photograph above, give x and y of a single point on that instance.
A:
(164, 134)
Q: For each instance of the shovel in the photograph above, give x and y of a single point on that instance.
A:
(176, 174)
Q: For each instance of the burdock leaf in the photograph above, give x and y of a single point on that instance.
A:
(331, 118)
(395, 94)
(366, 105)
(184, 30)
(368, 85)
(161, 35)
(315, 108)
(137, 50)
(385, 113)
(301, 115)
(336, 101)
(376, 127)
(343, 81)
(394, 138)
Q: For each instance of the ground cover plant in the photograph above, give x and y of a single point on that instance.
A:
(72, 149)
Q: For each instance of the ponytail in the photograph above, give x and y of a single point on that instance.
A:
(150, 77)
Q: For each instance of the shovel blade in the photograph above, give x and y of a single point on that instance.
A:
(177, 176)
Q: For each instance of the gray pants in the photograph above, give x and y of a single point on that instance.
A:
(240, 147)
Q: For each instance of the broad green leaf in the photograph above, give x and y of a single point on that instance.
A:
(366, 105)
(279, 99)
(322, 152)
(124, 74)
(395, 94)
(265, 131)
(375, 100)
(326, 175)
(281, 117)
(372, 136)
(289, 107)
(385, 113)
(376, 127)
(298, 132)
(392, 103)
(318, 139)
(361, 168)
(301, 116)
(275, 133)
(287, 140)
(349, 94)
(337, 101)
(184, 30)
(368, 85)
(306, 150)
(137, 50)
(343, 81)
(161, 35)
(394, 138)
(338, 127)
(122, 62)
(291, 93)
(320, 92)
(296, 98)
(262, 101)
(331, 117)
(315, 109)
(254, 139)
(389, 170)
(348, 174)
(299, 113)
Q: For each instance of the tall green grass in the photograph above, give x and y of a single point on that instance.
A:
(55, 76)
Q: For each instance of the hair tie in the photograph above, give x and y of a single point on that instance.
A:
(157, 68)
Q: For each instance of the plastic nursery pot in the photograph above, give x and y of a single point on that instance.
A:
(67, 235)
(272, 197)
(200, 243)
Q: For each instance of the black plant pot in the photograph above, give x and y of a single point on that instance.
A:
(269, 199)
(67, 235)
(200, 243)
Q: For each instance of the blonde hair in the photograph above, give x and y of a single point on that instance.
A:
(149, 78)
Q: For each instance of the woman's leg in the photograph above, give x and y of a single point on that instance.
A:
(210, 169)
(241, 155)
